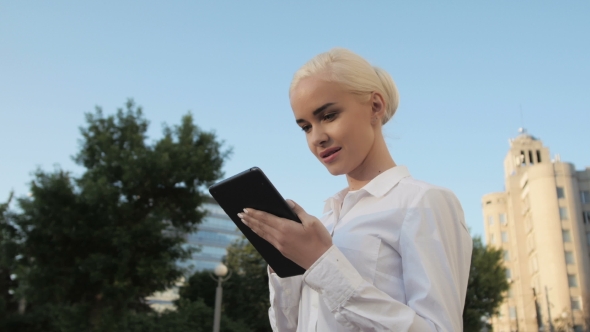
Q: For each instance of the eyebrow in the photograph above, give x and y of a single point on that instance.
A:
(317, 111)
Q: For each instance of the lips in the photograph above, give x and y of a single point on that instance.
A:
(329, 152)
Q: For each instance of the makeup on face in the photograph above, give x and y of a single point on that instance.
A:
(336, 124)
(330, 154)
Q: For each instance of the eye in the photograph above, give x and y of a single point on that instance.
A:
(330, 116)
(306, 128)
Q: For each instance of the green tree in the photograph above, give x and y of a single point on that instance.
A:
(197, 316)
(101, 242)
(8, 252)
(192, 317)
(486, 286)
(245, 294)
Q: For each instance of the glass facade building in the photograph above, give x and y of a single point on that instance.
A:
(214, 234)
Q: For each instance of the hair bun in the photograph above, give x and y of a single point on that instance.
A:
(390, 92)
(346, 67)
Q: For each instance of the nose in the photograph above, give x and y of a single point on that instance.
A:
(319, 137)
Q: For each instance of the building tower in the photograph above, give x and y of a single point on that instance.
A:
(541, 222)
(214, 234)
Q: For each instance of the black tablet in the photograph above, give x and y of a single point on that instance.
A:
(252, 189)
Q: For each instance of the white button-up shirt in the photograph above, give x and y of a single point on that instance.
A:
(399, 262)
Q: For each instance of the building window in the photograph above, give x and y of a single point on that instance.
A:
(531, 160)
(560, 192)
(512, 312)
(492, 238)
(217, 224)
(491, 220)
(586, 217)
(572, 281)
(566, 235)
(538, 156)
(563, 213)
(585, 196)
(502, 218)
(508, 274)
(510, 293)
(578, 328)
(209, 252)
(504, 236)
(576, 305)
(506, 255)
(588, 238)
(569, 258)
(212, 238)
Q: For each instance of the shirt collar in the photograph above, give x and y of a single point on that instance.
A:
(377, 187)
(383, 182)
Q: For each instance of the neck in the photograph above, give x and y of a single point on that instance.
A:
(378, 160)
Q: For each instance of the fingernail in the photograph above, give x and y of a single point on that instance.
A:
(240, 215)
(246, 211)
(290, 203)
(244, 221)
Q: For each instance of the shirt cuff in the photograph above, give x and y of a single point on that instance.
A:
(333, 277)
(285, 291)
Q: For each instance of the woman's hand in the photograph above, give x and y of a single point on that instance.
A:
(302, 243)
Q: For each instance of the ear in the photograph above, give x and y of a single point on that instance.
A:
(377, 106)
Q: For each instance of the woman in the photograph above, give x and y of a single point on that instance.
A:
(390, 253)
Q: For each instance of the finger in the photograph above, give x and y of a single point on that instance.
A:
(270, 220)
(260, 228)
(297, 209)
(276, 226)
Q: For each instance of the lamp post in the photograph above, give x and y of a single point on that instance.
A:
(220, 272)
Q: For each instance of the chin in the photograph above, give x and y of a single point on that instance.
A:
(334, 173)
(334, 170)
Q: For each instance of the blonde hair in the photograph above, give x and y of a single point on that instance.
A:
(357, 74)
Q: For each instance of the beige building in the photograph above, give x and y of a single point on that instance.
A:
(542, 223)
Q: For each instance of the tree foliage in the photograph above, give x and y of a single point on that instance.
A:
(245, 294)
(9, 249)
(486, 286)
(97, 244)
(191, 317)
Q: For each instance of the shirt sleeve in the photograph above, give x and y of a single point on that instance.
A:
(435, 247)
(285, 296)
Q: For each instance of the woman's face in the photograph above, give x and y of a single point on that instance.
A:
(340, 127)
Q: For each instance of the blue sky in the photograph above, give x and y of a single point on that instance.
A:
(464, 70)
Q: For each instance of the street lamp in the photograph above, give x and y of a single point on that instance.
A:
(220, 271)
